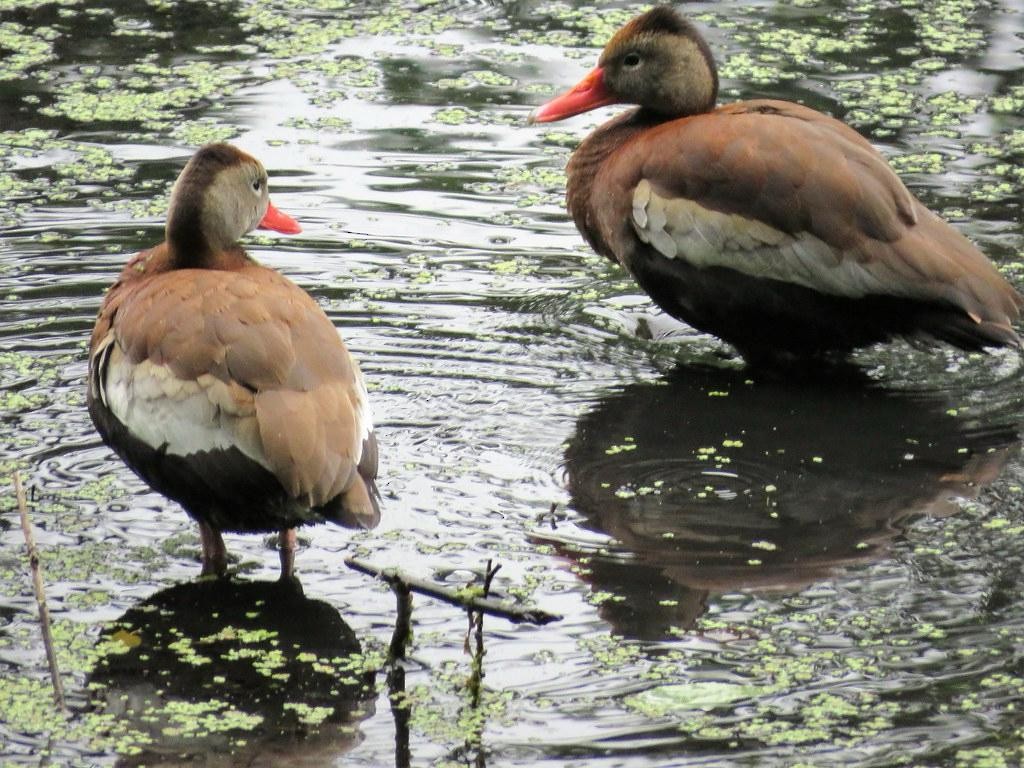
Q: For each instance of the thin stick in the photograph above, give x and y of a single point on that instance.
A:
(494, 606)
(403, 622)
(37, 584)
(400, 711)
(476, 621)
(489, 577)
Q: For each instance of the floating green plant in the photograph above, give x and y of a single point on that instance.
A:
(147, 94)
(24, 48)
(1011, 102)
(947, 26)
(663, 700)
(195, 133)
(476, 79)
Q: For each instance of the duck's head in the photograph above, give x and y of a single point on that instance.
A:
(658, 60)
(220, 195)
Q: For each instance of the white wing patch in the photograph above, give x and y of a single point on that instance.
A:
(679, 228)
(364, 414)
(185, 416)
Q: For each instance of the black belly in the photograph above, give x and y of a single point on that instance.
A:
(765, 318)
(223, 487)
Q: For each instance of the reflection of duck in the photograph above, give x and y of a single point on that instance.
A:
(233, 673)
(710, 482)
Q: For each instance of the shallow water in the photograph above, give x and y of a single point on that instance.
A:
(749, 572)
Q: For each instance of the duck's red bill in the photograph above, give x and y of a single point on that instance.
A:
(279, 222)
(589, 93)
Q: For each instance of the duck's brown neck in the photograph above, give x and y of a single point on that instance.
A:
(187, 246)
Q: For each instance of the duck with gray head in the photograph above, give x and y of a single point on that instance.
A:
(223, 384)
(772, 226)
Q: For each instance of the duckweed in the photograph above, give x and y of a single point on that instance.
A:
(668, 699)
(24, 48)
(195, 133)
(946, 26)
(1011, 102)
(152, 98)
(477, 79)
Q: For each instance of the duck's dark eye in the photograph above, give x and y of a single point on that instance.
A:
(631, 60)
(257, 184)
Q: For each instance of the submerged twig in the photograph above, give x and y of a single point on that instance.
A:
(37, 584)
(476, 622)
(403, 621)
(401, 713)
(400, 709)
(493, 606)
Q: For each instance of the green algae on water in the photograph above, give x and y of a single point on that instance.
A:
(147, 94)
(666, 699)
(22, 48)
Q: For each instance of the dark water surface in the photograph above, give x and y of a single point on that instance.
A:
(751, 572)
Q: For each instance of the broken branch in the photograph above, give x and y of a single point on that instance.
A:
(494, 606)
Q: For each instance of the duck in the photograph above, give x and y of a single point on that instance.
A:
(221, 383)
(770, 225)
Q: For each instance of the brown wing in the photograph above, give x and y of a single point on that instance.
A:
(773, 189)
(247, 359)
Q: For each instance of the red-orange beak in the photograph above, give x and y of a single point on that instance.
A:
(279, 222)
(589, 93)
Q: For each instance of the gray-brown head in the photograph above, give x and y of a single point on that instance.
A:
(658, 60)
(220, 195)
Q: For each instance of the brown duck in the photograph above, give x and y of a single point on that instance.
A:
(224, 385)
(768, 224)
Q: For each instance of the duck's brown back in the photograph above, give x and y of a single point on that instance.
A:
(233, 380)
(766, 196)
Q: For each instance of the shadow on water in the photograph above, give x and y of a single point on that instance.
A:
(710, 482)
(233, 673)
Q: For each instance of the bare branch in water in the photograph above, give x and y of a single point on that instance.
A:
(504, 609)
(403, 621)
(476, 628)
(37, 584)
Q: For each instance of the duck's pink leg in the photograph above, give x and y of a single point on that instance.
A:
(286, 544)
(215, 554)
